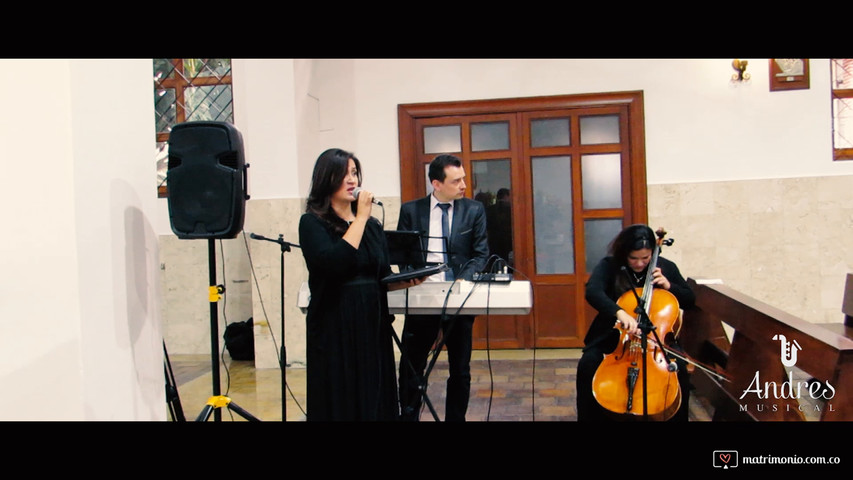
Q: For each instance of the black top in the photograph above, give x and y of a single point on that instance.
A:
(350, 359)
(602, 293)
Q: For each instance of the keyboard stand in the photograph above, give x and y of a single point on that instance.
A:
(424, 381)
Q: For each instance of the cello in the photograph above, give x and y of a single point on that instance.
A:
(638, 380)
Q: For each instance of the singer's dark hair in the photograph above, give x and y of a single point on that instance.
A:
(439, 163)
(329, 173)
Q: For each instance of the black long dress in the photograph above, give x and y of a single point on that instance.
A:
(350, 358)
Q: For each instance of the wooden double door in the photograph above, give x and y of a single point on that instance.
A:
(559, 176)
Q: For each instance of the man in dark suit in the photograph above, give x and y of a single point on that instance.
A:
(467, 252)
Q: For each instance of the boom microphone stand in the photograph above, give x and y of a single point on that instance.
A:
(285, 247)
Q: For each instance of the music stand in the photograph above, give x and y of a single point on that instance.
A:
(405, 248)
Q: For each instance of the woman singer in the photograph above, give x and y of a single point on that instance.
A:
(351, 371)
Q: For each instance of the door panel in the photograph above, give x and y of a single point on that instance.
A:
(491, 184)
(560, 301)
(553, 228)
(574, 167)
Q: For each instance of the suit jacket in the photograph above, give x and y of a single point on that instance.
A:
(469, 247)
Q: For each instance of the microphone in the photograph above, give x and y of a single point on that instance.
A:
(280, 241)
(357, 190)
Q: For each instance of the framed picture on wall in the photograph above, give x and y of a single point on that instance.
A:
(789, 74)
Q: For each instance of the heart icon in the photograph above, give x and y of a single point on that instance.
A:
(725, 457)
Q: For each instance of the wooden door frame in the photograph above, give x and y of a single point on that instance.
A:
(408, 113)
(411, 170)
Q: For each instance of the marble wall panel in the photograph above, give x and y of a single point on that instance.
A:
(786, 242)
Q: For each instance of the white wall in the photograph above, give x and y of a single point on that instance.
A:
(699, 128)
(79, 314)
(699, 125)
(39, 290)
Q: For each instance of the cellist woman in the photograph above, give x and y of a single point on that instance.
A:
(632, 248)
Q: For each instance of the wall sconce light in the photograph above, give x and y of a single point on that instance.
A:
(740, 67)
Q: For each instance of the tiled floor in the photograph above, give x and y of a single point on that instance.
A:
(507, 385)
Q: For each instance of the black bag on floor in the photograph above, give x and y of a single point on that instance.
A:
(240, 340)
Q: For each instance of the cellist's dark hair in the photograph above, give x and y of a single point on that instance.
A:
(329, 173)
(634, 237)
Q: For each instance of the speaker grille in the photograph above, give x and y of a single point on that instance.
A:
(174, 161)
(206, 180)
(230, 160)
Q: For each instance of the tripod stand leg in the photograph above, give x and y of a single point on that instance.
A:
(172, 397)
(217, 402)
(421, 379)
(214, 403)
(205, 413)
(243, 413)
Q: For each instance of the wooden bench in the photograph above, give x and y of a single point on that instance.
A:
(759, 386)
(845, 328)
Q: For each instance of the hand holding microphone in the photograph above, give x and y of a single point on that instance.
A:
(357, 190)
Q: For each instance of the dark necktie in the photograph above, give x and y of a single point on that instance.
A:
(445, 232)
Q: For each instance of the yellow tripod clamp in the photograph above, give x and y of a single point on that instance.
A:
(214, 292)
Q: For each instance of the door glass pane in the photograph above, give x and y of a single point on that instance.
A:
(207, 67)
(550, 132)
(489, 136)
(165, 109)
(426, 179)
(598, 234)
(443, 139)
(492, 186)
(602, 180)
(552, 214)
(209, 103)
(599, 129)
(842, 73)
(842, 122)
(163, 69)
(161, 154)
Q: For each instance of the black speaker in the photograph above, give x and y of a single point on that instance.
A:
(207, 180)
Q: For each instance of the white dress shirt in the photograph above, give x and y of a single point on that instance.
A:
(436, 246)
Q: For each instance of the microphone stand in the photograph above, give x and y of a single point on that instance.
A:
(646, 327)
(285, 247)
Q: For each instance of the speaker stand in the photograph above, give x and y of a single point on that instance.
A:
(217, 401)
